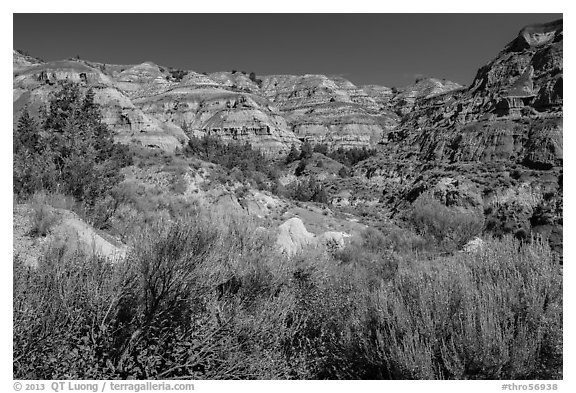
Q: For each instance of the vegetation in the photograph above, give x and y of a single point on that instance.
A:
(293, 155)
(321, 148)
(300, 168)
(42, 217)
(243, 162)
(255, 80)
(348, 157)
(207, 297)
(177, 75)
(445, 228)
(306, 151)
(343, 172)
(231, 155)
(310, 190)
(70, 151)
(204, 295)
(351, 157)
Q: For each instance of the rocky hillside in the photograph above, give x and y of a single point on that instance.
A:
(497, 142)
(494, 146)
(512, 112)
(162, 107)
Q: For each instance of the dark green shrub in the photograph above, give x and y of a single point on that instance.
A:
(253, 165)
(177, 75)
(310, 190)
(373, 255)
(300, 168)
(71, 151)
(321, 148)
(305, 151)
(146, 317)
(401, 240)
(293, 155)
(343, 172)
(351, 157)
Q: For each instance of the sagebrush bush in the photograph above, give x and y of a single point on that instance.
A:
(208, 296)
(62, 316)
(445, 228)
(43, 217)
(495, 314)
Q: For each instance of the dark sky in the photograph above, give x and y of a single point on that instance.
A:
(385, 49)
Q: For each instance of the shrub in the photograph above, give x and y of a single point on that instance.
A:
(42, 218)
(251, 162)
(309, 190)
(509, 218)
(493, 315)
(300, 168)
(372, 254)
(305, 151)
(177, 75)
(321, 148)
(351, 157)
(363, 313)
(447, 229)
(343, 172)
(179, 185)
(400, 240)
(62, 316)
(293, 155)
(146, 317)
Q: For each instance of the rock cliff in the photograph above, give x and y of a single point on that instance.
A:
(328, 110)
(162, 107)
(497, 142)
(503, 133)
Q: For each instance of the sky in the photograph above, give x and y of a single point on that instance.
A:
(383, 49)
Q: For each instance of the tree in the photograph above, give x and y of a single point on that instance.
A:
(253, 79)
(300, 168)
(320, 195)
(309, 190)
(343, 172)
(293, 154)
(27, 135)
(321, 148)
(351, 157)
(306, 150)
(72, 151)
(32, 170)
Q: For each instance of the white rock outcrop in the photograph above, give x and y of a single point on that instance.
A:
(293, 237)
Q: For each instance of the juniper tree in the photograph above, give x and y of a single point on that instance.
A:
(306, 150)
(293, 154)
(72, 151)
